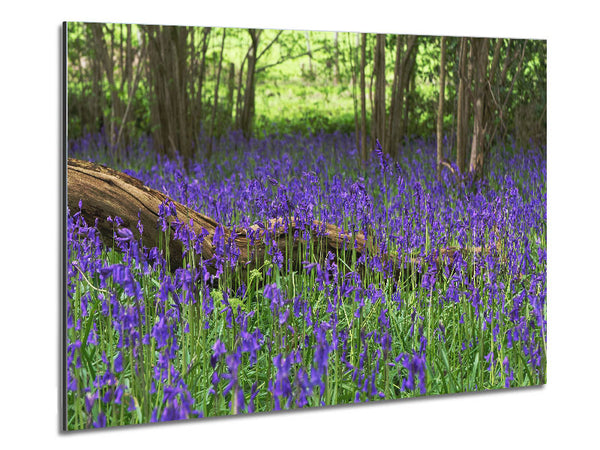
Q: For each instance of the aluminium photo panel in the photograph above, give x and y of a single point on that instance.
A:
(260, 220)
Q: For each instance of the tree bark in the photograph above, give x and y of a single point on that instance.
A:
(248, 105)
(309, 52)
(105, 192)
(336, 59)
(131, 94)
(230, 92)
(440, 118)
(363, 100)
(213, 117)
(409, 89)
(462, 115)
(198, 105)
(402, 70)
(478, 148)
(168, 55)
(396, 101)
(354, 63)
(106, 58)
(379, 110)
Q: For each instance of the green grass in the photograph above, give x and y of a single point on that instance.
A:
(180, 345)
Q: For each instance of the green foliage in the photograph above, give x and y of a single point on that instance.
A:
(298, 92)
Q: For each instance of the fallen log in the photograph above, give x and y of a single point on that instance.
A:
(105, 192)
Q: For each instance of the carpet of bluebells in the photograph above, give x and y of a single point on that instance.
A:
(145, 344)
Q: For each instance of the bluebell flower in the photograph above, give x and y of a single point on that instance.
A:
(218, 350)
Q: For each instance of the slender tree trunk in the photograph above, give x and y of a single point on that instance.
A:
(354, 64)
(193, 71)
(309, 52)
(440, 118)
(202, 71)
(106, 59)
(131, 93)
(83, 112)
(230, 92)
(409, 99)
(179, 41)
(239, 98)
(379, 112)
(129, 54)
(248, 107)
(480, 59)
(462, 119)
(500, 86)
(363, 100)
(216, 97)
(122, 57)
(168, 55)
(407, 84)
(402, 69)
(492, 108)
(395, 102)
(336, 59)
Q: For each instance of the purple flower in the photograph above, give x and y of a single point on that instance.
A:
(178, 404)
(272, 292)
(309, 266)
(490, 358)
(253, 394)
(124, 235)
(416, 366)
(161, 332)
(119, 362)
(89, 401)
(119, 394)
(100, 421)
(132, 406)
(508, 371)
(218, 350)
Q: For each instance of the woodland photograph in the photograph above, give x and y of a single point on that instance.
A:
(261, 220)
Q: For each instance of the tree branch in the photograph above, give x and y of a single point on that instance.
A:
(269, 46)
(288, 58)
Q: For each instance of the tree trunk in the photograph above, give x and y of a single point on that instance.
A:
(462, 119)
(239, 96)
(105, 192)
(248, 105)
(213, 117)
(440, 118)
(363, 100)
(129, 55)
(492, 108)
(354, 65)
(402, 70)
(309, 53)
(199, 117)
(409, 76)
(379, 110)
(169, 81)
(396, 102)
(336, 59)
(478, 149)
(409, 97)
(230, 92)
(106, 59)
(131, 94)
